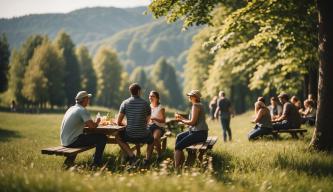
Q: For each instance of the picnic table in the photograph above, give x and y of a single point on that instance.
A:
(71, 153)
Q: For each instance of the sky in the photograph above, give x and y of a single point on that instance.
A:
(15, 8)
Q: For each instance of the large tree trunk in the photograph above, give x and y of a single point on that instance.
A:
(323, 135)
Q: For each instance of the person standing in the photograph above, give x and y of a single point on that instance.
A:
(225, 110)
(75, 119)
(212, 107)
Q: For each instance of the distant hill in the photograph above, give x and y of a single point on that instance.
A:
(138, 38)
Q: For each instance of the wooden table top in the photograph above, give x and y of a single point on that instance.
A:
(104, 129)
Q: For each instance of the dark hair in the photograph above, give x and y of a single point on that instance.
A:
(156, 94)
(262, 99)
(274, 99)
(134, 89)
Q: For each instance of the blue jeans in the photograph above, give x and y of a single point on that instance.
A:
(189, 138)
(99, 140)
(259, 131)
(225, 122)
(283, 125)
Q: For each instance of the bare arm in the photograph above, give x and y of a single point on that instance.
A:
(194, 117)
(217, 112)
(259, 116)
(91, 123)
(120, 118)
(161, 120)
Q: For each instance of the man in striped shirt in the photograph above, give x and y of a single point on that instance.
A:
(137, 112)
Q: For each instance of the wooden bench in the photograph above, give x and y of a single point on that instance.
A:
(69, 153)
(202, 148)
(137, 147)
(292, 132)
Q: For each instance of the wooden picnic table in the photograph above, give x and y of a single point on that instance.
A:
(104, 129)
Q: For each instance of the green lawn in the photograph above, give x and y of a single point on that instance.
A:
(265, 165)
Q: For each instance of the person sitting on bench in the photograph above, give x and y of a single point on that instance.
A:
(290, 118)
(198, 128)
(75, 119)
(157, 121)
(263, 121)
(137, 113)
(309, 114)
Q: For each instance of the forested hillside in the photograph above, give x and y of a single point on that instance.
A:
(139, 39)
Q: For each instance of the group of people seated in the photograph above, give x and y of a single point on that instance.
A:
(276, 117)
(145, 124)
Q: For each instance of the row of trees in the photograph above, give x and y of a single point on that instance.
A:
(49, 73)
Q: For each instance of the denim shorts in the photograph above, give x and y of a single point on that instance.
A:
(154, 127)
(148, 139)
(189, 138)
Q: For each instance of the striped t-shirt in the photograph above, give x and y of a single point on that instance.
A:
(136, 111)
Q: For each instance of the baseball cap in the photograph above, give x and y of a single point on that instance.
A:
(194, 93)
(82, 94)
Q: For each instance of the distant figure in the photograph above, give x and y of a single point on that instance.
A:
(275, 108)
(263, 121)
(290, 118)
(157, 121)
(225, 110)
(309, 114)
(137, 112)
(13, 106)
(198, 128)
(262, 99)
(295, 101)
(313, 99)
(212, 107)
(75, 119)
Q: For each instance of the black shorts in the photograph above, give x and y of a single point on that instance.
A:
(149, 139)
(154, 127)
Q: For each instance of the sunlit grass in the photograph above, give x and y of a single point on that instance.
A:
(240, 165)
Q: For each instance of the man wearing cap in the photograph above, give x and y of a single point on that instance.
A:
(75, 119)
(290, 118)
(137, 112)
(225, 110)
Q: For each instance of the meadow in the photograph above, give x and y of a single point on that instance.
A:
(285, 164)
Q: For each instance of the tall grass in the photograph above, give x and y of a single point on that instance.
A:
(264, 165)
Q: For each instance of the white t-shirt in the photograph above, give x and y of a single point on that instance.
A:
(156, 112)
(73, 123)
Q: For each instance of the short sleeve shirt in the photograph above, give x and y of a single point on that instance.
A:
(73, 123)
(224, 105)
(136, 111)
(293, 117)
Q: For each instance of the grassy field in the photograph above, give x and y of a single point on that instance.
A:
(240, 165)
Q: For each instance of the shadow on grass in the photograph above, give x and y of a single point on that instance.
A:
(315, 165)
(222, 166)
(7, 135)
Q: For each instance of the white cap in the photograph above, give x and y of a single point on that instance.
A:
(82, 94)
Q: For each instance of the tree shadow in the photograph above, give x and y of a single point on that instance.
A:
(312, 165)
(7, 135)
(222, 166)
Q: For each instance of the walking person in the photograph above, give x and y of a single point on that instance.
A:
(225, 110)
(212, 107)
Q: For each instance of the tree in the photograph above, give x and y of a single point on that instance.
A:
(44, 80)
(108, 72)
(88, 75)
(72, 71)
(164, 76)
(278, 46)
(4, 61)
(19, 62)
(323, 135)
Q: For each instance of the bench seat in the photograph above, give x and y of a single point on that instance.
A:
(202, 148)
(292, 132)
